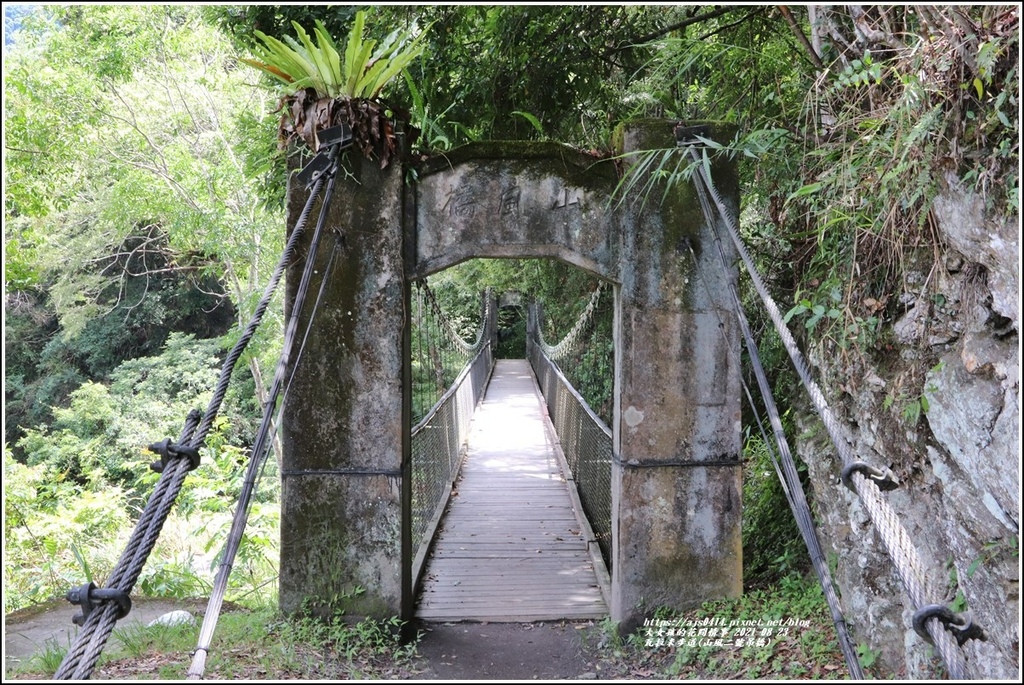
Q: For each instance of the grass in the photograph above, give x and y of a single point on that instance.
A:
(50, 658)
(808, 649)
(261, 644)
(249, 645)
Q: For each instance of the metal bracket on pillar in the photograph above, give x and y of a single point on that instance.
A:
(692, 135)
(336, 137)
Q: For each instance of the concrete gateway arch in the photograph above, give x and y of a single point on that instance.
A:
(676, 498)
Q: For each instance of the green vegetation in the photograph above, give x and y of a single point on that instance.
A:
(772, 545)
(563, 291)
(802, 650)
(358, 73)
(250, 644)
(86, 476)
(443, 343)
(144, 208)
(782, 630)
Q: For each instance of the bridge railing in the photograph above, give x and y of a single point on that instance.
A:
(585, 440)
(439, 438)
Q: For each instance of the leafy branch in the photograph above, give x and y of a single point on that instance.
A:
(667, 168)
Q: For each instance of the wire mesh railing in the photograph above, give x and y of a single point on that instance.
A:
(585, 439)
(585, 355)
(439, 435)
(439, 349)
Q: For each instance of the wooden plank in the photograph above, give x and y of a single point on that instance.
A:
(508, 604)
(510, 526)
(523, 551)
(509, 600)
(552, 541)
(505, 601)
(483, 536)
(563, 583)
(514, 547)
(504, 615)
(470, 595)
(510, 497)
(510, 584)
(456, 571)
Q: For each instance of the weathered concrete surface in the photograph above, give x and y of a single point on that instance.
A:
(516, 199)
(342, 428)
(676, 525)
(676, 546)
(342, 548)
(676, 493)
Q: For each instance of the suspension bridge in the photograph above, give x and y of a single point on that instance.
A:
(424, 479)
(512, 546)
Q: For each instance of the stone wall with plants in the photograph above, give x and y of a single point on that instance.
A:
(937, 402)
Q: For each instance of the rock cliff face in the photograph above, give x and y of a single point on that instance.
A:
(939, 404)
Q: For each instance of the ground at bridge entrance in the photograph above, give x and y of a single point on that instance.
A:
(553, 650)
(508, 651)
(464, 651)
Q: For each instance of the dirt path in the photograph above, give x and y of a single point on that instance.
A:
(506, 651)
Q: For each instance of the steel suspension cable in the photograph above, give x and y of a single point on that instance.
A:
(258, 454)
(450, 333)
(783, 461)
(901, 550)
(82, 655)
(566, 344)
(98, 622)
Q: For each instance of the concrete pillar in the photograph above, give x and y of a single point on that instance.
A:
(676, 488)
(342, 540)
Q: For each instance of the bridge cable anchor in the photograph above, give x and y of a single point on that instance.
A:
(89, 597)
(692, 135)
(961, 626)
(169, 450)
(885, 480)
(331, 139)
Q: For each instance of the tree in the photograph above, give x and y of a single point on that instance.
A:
(130, 136)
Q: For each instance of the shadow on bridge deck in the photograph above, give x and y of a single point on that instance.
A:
(510, 546)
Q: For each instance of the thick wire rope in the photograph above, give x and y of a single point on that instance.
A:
(568, 343)
(420, 388)
(445, 347)
(450, 332)
(82, 655)
(258, 454)
(783, 462)
(894, 537)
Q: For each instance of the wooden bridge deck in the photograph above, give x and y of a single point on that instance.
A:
(510, 547)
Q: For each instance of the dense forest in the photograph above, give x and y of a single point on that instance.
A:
(145, 180)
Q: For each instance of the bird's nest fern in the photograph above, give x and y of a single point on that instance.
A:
(324, 86)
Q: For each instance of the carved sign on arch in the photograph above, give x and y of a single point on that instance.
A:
(531, 201)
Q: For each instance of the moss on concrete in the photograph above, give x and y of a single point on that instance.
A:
(563, 157)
